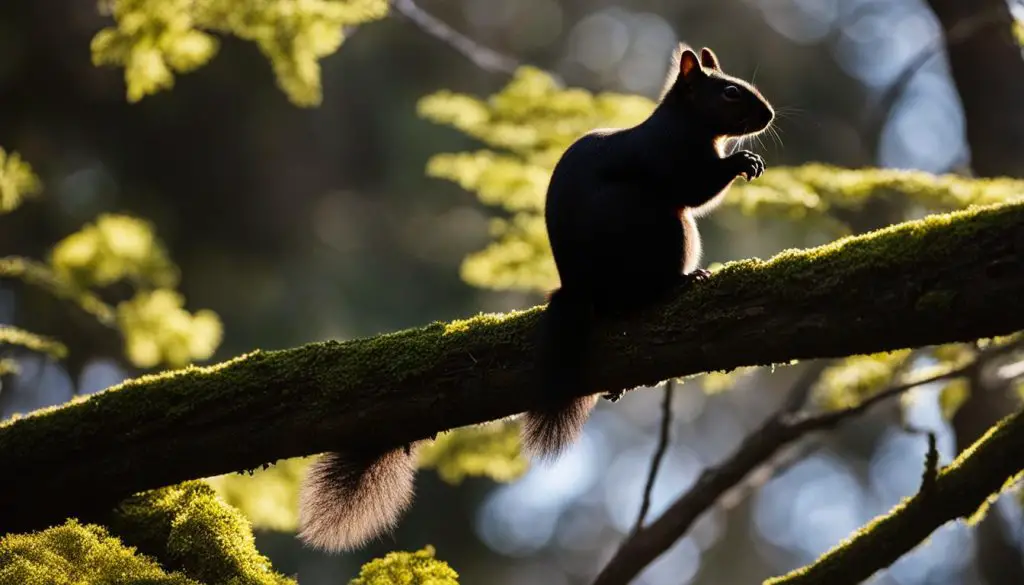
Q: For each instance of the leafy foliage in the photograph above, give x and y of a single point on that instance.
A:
(17, 181)
(532, 120)
(158, 330)
(489, 450)
(154, 39)
(407, 568)
(114, 248)
(268, 497)
(856, 378)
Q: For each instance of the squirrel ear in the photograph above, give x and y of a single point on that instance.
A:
(708, 59)
(688, 64)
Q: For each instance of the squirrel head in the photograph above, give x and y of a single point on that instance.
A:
(725, 105)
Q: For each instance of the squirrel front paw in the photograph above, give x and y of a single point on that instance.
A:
(747, 163)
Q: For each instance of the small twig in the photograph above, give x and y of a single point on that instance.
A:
(483, 57)
(781, 429)
(801, 390)
(659, 453)
(931, 465)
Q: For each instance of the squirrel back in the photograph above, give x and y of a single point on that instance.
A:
(620, 212)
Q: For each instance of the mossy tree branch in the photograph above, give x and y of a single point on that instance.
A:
(949, 278)
(957, 491)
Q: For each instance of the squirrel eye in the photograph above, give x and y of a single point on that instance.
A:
(731, 93)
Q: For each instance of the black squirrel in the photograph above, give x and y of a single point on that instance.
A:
(617, 204)
(620, 215)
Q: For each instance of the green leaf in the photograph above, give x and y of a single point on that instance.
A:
(158, 330)
(17, 181)
(114, 248)
(857, 378)
(155, 39)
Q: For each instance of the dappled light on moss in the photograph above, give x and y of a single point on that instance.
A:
(76, 554)
(154, 39)
(407, 568)
(188, 528)
(490, 450)
(483, 319)
(269, 498)
(17, 181)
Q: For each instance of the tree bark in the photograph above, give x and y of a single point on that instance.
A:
(949, 278)
(988, 70)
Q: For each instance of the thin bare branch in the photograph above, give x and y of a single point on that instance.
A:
(483, 57)
(781, 429)
(659, 453)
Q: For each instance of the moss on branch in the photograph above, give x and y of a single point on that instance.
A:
(871, 293)
(178, 535)
(957, 492)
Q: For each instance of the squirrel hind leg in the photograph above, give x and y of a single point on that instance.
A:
(347, 499)
(548, 432)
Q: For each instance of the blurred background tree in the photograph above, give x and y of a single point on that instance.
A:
(281, 224)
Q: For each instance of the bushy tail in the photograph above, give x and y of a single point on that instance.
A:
(348, 498)
(564, 332)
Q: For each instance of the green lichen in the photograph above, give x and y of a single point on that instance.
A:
(407, 568)
(76, 554)
(191, 530)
